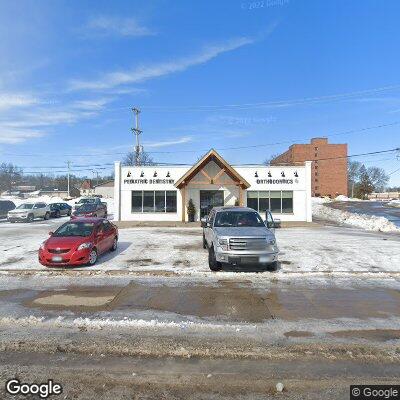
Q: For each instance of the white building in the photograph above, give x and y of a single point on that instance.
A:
(161, 193)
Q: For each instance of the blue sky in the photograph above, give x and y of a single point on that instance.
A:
(206, 74)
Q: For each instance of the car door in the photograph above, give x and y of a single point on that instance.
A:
(269, 221)
(37, 213)
(109, 233)
(208, 229)
(101, 239)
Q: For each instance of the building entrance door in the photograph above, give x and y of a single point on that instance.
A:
(210, 199)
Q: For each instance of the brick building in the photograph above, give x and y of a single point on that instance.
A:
(329, 167)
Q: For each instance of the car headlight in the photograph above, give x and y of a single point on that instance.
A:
(85, 246)
(271, 241)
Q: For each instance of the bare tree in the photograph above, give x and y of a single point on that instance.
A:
(9, 175)
(378, 177)
(144, 159)
(270, 159)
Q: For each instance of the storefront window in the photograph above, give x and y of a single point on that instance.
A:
(252, 200)
(279, 202)
(149, 201)
(263, 201)
(275, 202)
(171, 201)
(137, 201)
(159, 203)
(287, 202)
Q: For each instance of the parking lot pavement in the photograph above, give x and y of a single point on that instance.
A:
(318, 250)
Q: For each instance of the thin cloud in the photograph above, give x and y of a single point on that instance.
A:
(12, 100)
(143, 73)
(23, 124)
(116, 26)
(154, 145)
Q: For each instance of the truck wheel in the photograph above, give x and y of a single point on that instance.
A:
(273, 266)
(46, 216)
(212, 261)
(204, 242)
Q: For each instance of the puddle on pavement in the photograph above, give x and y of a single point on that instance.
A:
(232, 303)
(298, 334)
(379, 335)
(328, 303)
(77, 299)
(235, 301)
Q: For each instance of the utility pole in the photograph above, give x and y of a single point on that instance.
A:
(137, 132)
(97, 173)
(68, 165)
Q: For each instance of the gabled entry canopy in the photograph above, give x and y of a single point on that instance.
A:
(212, 156)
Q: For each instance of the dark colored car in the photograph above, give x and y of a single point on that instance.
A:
(5, 207)
(90, 210)
(57, 210)
(79, 241)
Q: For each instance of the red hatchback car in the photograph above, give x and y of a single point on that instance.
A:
(79, 241)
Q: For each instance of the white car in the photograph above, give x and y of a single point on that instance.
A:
(27, 212)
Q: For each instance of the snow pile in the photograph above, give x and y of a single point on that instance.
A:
(367, 222)
(394, 203)
(345, 198)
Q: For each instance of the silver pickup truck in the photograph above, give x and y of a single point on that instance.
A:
(238, 235)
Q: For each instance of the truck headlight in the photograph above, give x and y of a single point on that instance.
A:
(271, 242)
(223, 243)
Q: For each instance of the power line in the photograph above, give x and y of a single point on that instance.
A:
(280, 164)
(218, 149)
(277, 103)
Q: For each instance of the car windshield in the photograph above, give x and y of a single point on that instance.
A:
(86, 201)
(74, 229)
(87, 208)
(238, 218)
(26, 206)
(54, 206)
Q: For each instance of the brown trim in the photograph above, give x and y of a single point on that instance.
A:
(206, 175)
(212, 155)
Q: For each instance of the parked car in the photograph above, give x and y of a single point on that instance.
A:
(57, 210)
(79, 241)
(238, 235)
(90, 210)
(27, 212)
(5, 207)
(86, 200)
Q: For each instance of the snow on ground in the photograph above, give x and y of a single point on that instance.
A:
(394, 203)
(334, 250)
(367, 222)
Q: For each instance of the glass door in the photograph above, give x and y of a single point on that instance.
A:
(210, 199)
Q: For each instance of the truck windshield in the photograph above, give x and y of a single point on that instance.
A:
(238, 218)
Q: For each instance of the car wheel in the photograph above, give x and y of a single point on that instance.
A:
(29, 218)
(115, 244)
(273, 266)
(58, 214)
(13, 222)
(212, 261)
(92, 257)
(204, 242)
(69, 213)
(46, 216)
(95, 215)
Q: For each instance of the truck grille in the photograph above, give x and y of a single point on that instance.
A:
(247, 243)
